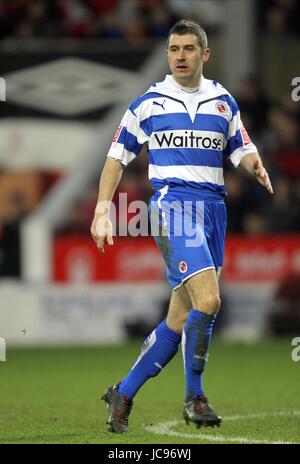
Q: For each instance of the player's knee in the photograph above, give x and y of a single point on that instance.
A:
(210, 304)
(213, 303)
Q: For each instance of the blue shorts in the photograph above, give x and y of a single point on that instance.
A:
(189, 231)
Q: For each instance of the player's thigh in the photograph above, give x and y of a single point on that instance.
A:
(203, 290)
(180, 305)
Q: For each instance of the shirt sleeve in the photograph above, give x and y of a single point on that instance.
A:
(129, 137)
(239, 143)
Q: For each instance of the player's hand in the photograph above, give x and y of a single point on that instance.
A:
(102, 230)
(262, 176)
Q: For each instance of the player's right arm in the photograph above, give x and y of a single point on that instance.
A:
(126, 145)
(101, 228)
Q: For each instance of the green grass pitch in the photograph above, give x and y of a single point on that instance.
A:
(51, 395)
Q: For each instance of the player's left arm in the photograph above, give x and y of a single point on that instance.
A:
(252, 162)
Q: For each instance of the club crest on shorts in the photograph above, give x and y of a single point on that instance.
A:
(183, 267)
(221, 108)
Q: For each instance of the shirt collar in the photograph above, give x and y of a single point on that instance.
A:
(201, 88)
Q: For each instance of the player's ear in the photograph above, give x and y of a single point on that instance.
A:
(205, 55)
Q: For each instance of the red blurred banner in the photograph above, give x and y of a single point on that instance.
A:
(77, 259)
(254, 258)
(268, 258)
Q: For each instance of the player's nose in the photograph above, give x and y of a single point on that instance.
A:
(181, 55)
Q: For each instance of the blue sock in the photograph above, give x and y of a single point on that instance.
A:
(158, 349)
(195, 342)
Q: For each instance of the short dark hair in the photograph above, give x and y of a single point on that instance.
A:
(186, 26)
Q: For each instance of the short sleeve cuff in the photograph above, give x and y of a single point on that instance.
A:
(237, 156)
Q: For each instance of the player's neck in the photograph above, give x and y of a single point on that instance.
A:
(192, 84)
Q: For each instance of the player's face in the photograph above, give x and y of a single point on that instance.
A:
(186, 59)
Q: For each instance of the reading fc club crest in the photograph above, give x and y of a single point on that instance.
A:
(221, 108)
(183, 267)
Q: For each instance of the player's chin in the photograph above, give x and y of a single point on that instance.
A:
(183, 72)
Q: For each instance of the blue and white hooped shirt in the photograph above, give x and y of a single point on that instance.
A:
(189, 134)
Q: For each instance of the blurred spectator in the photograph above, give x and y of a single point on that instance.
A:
(284, 315)
(35, 22)
(109, 26)
(280, 17)
(282, 141)
(277, 19)
(81, 213)
(210, 13)
(74, 18)
(10, 246)
(282, 211)
(132, 191)
(253, 104)
(101, 6)
(74, 222)
(10, 14)
(160, 21)
(133, 19)
(88, 207)
(237, 201)
(255, 223)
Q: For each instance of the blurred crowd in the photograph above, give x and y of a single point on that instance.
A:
(273, 125)
(274, 128)
(280, 17)
(131, 20)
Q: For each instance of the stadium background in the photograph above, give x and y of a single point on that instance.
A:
(71, 67)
